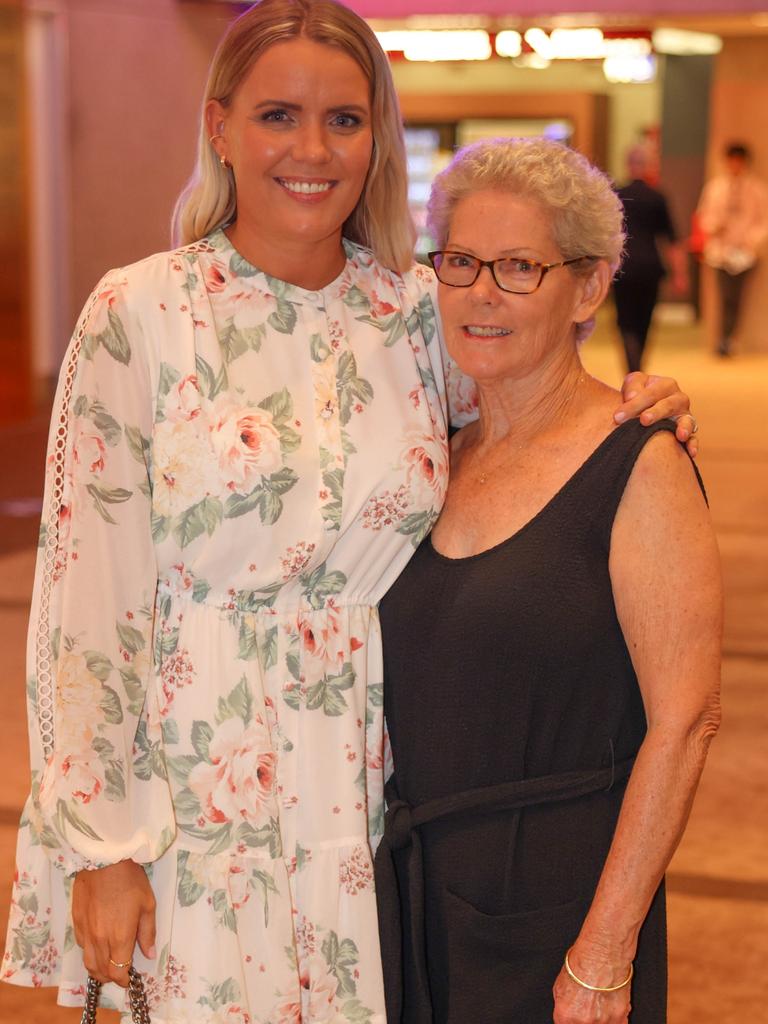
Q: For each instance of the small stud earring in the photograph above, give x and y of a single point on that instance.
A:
(222, 159)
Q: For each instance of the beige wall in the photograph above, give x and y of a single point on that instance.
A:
(14, 326)
(136, 74)
(739, 111)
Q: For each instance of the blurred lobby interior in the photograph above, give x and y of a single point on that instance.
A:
(100, 107)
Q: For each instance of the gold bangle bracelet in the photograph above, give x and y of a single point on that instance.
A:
(598, 988)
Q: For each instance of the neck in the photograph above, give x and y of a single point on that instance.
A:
(309, 264)
(516, 410)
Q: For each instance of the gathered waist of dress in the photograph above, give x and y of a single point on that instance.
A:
(263, 602)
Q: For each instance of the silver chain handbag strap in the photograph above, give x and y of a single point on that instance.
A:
(136, 997)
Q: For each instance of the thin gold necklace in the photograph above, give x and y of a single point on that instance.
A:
(483, 477)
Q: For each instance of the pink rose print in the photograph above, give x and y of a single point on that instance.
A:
(246, 444)
(426, 462)
(238, 784)
(179, 578)
(288, 1011)
(215, 277)
(356, 872)
(318, 987)
(462, 395)
(83, 775)
(107, 297)
(322, 638)
(233, 1015)
(374, 759)
(380, 308)
(183, 400)
(88, 450)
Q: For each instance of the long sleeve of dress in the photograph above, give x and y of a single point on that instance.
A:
(91, 631)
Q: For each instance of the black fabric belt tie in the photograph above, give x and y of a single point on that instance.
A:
(401, 832)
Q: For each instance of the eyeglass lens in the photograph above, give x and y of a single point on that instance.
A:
(461, 270)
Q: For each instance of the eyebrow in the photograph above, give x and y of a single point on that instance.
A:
(338, 108)
(519, 252)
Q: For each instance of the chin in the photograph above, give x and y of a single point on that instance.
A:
(481, 366)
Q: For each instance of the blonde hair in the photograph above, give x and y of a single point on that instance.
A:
(381, 221)
(587, 215)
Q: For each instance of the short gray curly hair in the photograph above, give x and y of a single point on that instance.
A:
(587, 215)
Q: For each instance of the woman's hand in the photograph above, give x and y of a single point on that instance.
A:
(654, 398)
(112, 909)
(575, 1004)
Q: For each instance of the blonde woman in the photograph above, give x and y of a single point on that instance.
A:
(249, 441)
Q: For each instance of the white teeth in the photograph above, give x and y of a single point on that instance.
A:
(306, 188)
(487, 332)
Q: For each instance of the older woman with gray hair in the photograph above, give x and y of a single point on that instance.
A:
(552, 649)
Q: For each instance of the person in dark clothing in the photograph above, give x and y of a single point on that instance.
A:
(551, 652)
(636, 288)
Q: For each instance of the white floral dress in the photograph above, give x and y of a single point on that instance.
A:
(238, 470)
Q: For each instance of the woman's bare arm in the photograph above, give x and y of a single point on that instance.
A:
(666, 581)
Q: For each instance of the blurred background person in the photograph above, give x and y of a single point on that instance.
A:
(636, 289)
(733, 213)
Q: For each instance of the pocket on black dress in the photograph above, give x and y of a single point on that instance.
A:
(501, 968)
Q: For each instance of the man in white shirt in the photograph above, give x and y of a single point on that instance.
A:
(733, 212)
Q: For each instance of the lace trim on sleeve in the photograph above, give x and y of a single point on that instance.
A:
(43, 653)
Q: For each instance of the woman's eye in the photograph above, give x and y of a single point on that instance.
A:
(346, 121)
(458, 259)
(275, 116)
(523, 266)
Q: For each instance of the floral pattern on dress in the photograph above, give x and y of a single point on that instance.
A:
(328, 970)
(29, 933)
(238, 469)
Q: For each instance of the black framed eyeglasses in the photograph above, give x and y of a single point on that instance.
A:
(512, 274)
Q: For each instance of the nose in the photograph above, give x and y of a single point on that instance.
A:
(484, 288)
(311, 144)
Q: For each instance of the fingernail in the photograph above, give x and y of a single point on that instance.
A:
(647, 417)
(619, 416)
(630, 396)
(151, 952)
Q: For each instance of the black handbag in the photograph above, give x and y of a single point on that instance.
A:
(136, 997)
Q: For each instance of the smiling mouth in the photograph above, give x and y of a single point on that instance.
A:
(305, 188)
(486, 332)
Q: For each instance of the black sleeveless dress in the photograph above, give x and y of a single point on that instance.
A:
(514, 715)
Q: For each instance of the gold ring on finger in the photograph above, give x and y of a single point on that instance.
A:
(120, 965)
